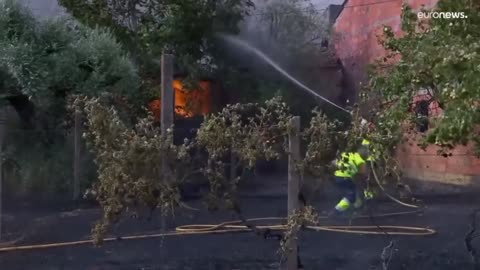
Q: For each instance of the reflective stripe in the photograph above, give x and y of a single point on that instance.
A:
(340, 173)
(342, 205)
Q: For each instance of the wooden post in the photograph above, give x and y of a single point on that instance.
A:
(167, 95)
(3, 128)
(167, 110)
(293, 187)
(233, 163)
(1, 178)
(76, 155)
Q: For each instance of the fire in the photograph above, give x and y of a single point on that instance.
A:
(188, 103)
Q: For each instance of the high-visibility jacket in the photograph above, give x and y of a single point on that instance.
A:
(348, 165)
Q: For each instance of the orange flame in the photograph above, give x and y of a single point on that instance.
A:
(188, 103)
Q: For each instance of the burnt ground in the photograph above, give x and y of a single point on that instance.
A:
(319, 250)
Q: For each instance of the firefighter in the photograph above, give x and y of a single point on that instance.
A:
(351, 168)
(352, 175)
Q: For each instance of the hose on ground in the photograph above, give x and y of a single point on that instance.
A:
(234, 227)
(386, 193)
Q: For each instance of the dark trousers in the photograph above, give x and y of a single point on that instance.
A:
(347, 187)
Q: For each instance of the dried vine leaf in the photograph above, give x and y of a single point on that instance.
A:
(129, 164)
(250, 132)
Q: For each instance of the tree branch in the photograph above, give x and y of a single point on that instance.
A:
(265, 233)
(469, 238)
(387, 255)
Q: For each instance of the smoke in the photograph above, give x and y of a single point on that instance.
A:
(44, 9)
(294, 34)
(279, 69)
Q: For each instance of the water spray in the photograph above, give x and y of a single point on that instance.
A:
(245, 45)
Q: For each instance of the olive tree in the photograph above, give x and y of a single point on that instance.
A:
(43, 63)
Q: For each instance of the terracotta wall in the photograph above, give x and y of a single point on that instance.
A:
(356, 30)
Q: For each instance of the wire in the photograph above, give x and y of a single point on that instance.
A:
(233, 227)
(263, 13)
(371, 4)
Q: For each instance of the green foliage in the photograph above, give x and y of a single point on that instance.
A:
(93, 13)
(188, 29)
(300, 102)
(48, 61)
(442, 56)
(323, 138)
(302, 217)
(53, 59)
(249, 132)
(147, 28)
(129, 162)
(40, 171)
(249, 137)
(253, 132)
(297, 25)
(291, 33)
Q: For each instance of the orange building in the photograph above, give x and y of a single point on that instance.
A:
(356, 28)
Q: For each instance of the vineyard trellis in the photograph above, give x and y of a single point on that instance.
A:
(131, 175)
(130, 172)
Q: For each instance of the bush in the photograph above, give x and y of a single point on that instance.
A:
(45, 62)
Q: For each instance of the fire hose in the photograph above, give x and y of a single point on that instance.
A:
(236, 227)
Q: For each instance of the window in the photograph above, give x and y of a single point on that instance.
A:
(422, 113)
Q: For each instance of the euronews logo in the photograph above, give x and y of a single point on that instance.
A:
(441, 15)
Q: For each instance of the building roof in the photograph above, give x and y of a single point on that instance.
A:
(334, 10)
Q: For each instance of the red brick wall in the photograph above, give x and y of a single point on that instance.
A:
(356, 31)
(358, 25)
